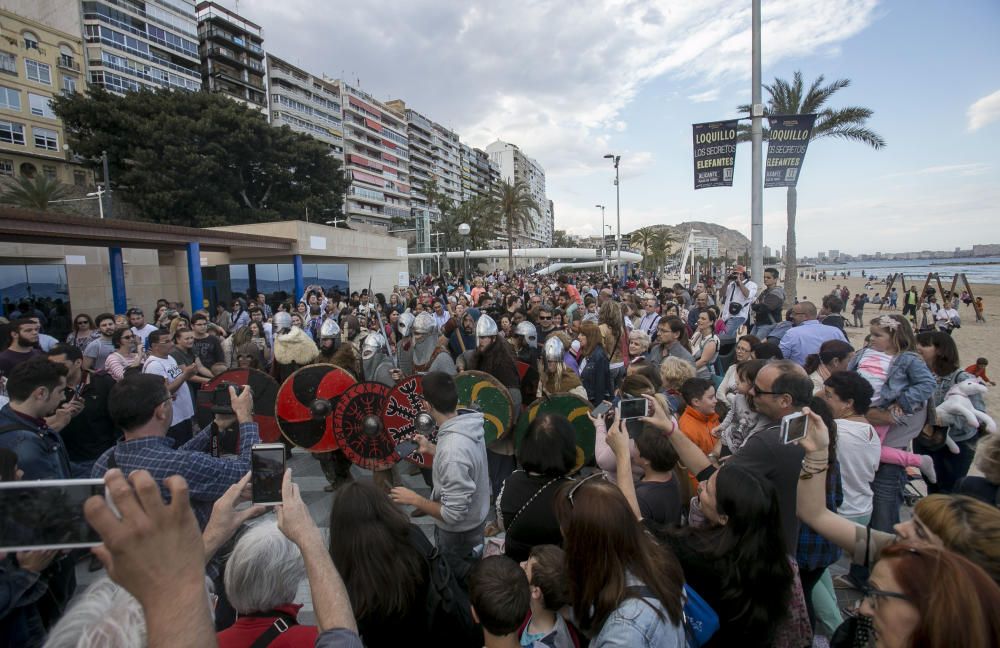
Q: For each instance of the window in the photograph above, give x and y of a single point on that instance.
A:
(7, 168)
(10, 98)
(69, 85)
(8, 63)
(39, 72)
(30, 40)
(46, 139)
(41, 106)
(79, 178)
(49, 171)
(11, 133)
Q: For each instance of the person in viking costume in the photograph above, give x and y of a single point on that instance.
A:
(525, 343)
(423, 352)
(293, 348)
(329, 341)
(556, 377)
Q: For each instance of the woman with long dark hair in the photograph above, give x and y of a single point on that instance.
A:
(595, 371)
(624, 588)
(83, 332)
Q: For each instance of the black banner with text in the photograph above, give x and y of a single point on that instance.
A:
(786, 149)
(714, 153)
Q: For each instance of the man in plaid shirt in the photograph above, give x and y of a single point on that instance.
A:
(140, 405)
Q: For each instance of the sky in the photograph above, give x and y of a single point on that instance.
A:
(569, 81)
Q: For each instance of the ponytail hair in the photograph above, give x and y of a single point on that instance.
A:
(828, 352)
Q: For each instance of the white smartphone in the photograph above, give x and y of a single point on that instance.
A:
(267, 468)
(794, 427)
(47, 514)
(631, 408)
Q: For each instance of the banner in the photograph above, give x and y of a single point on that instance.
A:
(786, 149)
(714, 153)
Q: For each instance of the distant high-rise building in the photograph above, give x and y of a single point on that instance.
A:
(705, 246)
(37, 61)
(783, 253)
(132, 45)
(232, 55)
(435, 155)
(834, 255)
(767, 251)
(305, 103)
(515, 165)
(480, 175)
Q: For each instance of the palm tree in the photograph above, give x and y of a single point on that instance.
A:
(845, 123)
(35, 193)
(643, 237)
(660, 245)
(512, 206)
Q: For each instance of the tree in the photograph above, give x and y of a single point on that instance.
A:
(200, 159)
(660, 245)
(643, 237)
(36, 192)
(561, 240)
(848, 123)
(512, 206)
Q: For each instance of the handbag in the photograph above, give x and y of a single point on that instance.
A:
(498, 546)
(700, 620)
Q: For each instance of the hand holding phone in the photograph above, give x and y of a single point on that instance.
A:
(632, 408)
(267, 467)
(794, 427)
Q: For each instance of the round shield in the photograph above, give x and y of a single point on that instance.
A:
(402, 406)
(483, 393)
(358, 426)
(305, 404)
(265, 392)
(573, 408)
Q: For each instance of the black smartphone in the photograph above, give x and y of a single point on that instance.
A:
(630, 408)
(267, 468)
(47, 514)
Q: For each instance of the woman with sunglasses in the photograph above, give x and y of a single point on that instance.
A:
(127, 354)
(83, 332)
(625, 589)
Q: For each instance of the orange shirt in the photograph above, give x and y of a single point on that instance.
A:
(698, 427)
(974, 370)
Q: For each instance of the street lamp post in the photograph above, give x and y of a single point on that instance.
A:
(463, 231)
(618, 206)
(437, 247)
(604, 249)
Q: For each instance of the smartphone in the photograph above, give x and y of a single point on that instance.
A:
(601, 409)
(405, 448)
(47, 514)
(630, 408)
(267, 468)
(794, 427)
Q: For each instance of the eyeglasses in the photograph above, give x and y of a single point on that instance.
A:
(127, 337)
(874, 595)
(581, 482)
(78, 322)
(761, 392)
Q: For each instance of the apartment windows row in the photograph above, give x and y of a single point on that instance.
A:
(306, 109)
(14, 133)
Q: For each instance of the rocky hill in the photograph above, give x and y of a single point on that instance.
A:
(731, 242)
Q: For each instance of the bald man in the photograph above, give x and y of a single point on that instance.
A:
(807, 333)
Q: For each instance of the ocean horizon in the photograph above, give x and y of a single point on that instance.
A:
(984, 270)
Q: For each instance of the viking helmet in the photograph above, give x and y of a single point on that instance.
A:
(528, 332)
(282, 321)
(405, 322)
(554, 349)
(424, 324)
(330, 329)
(374, 342)
(486, 326)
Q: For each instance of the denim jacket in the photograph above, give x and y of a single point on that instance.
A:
(958, 432)
(909, 382)
(635, 623)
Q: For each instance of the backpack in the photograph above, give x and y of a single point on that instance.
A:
(449, 613)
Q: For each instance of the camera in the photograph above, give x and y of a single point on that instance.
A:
(221, 402)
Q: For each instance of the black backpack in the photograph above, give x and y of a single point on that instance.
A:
(449, 613)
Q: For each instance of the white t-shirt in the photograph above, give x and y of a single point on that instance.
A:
(169, 369)
(143, 333)
(858, 449)
(732, 293)
(874, 367)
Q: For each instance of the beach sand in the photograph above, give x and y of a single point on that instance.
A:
(974, 339)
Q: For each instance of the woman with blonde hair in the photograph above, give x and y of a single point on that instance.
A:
(674, 372)
(613, 338)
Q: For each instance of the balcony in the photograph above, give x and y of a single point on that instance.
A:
(67, 63)
(232, 77)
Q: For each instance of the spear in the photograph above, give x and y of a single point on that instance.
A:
(381, 327)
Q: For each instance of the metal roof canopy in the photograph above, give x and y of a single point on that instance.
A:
(53, 228)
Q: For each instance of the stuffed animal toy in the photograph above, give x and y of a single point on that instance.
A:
(957, 409)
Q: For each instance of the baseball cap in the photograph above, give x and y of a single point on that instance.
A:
(134, 311)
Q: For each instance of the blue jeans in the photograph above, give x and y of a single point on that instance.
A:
(762, 331)
(887, 496)
(733, 324)
(458, 543)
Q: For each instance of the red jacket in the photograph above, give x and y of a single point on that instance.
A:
(246, 630)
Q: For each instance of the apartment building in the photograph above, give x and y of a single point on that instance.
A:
(515, 165)
(480, 175)
(376, 159)
(36, 62)
(305, 103)
(232, 55)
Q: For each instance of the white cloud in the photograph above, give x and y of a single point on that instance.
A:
(984, 111)
(705, 97)
(967, 169)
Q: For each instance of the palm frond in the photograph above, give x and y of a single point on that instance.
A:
(818, 94)
(858, 134)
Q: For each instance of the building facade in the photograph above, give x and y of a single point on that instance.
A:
(232, 55)
(305, 103)
(376, 159)
(705, 246)
(37, 62)
(480, 175)
(514, 165)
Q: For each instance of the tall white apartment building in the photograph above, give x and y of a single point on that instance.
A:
(515, 165)
(305, 103)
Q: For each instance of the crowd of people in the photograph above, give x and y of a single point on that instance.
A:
(696, 524)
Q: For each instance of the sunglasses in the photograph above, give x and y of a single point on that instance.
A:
(761, 392)
(82, 322)
(581, 482)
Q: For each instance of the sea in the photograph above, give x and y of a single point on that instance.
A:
(982, 270)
